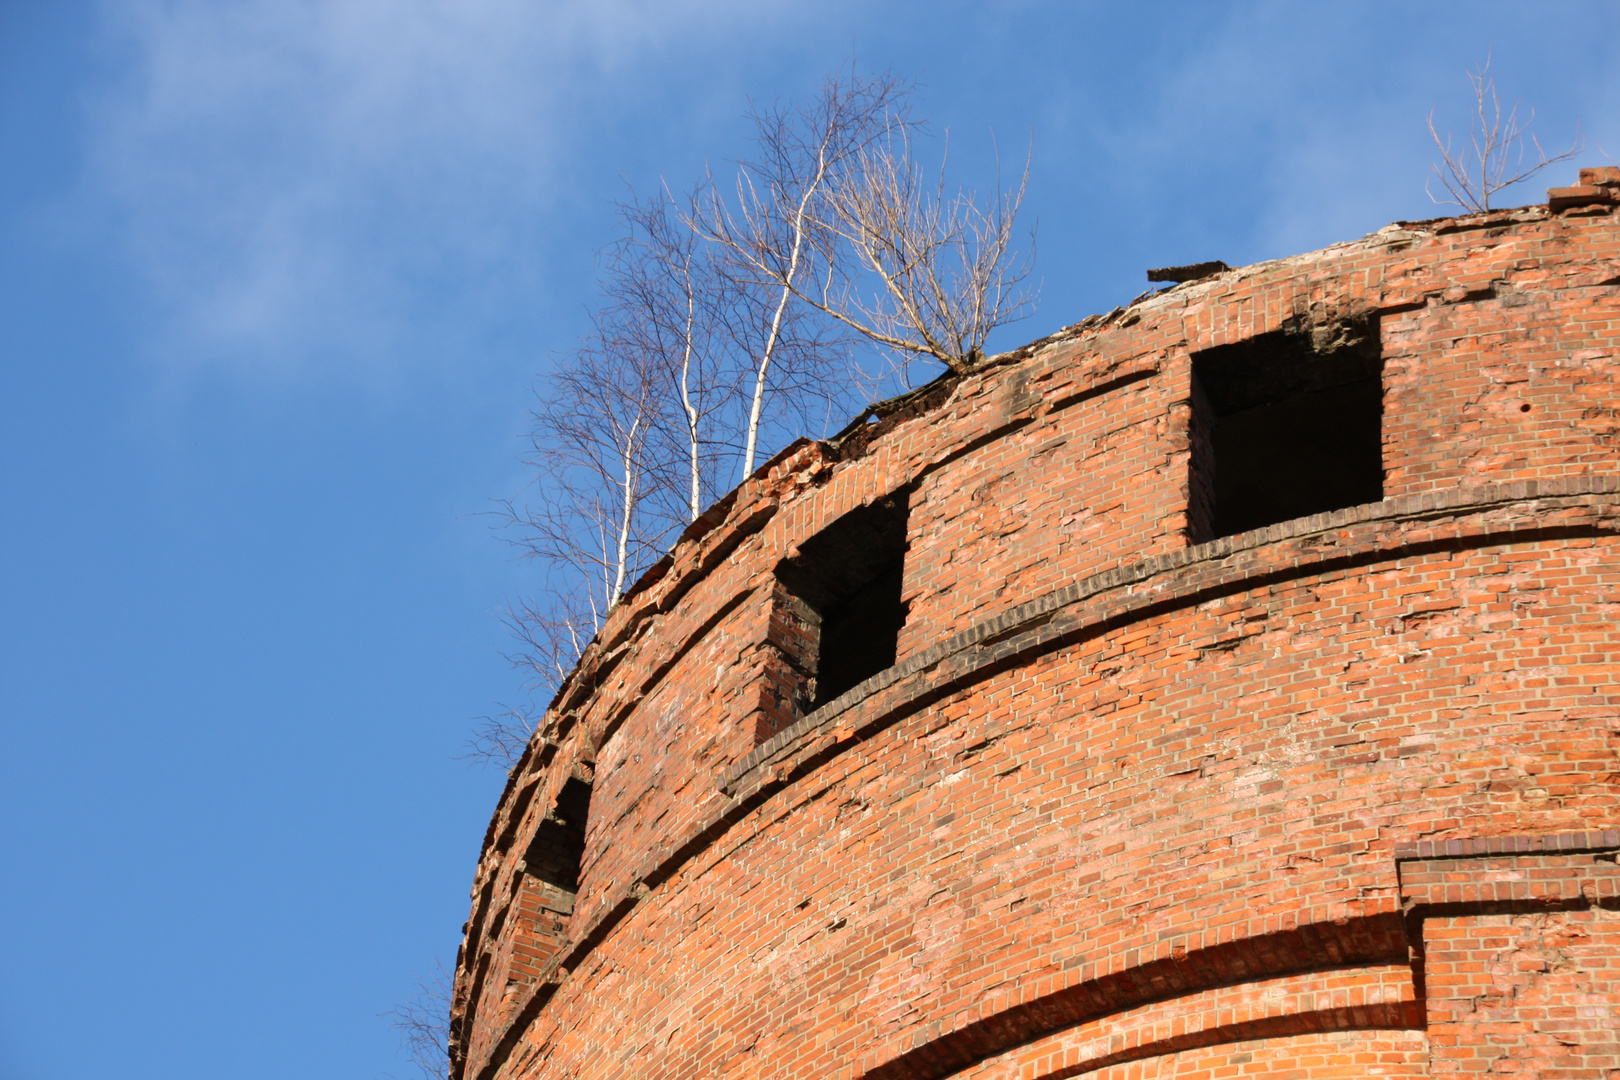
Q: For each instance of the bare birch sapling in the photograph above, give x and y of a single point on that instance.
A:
(1494, 156)
(773, 229)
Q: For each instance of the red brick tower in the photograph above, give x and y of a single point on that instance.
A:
(1224, 686)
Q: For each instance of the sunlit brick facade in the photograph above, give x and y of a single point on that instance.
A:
(1224, 686)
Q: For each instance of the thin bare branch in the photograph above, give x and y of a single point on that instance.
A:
(672, 304)
(933, 272)
(1494, 157)
(423, 1024)
(594, 525)
(500, 738)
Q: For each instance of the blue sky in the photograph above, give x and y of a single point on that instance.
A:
(278, 276)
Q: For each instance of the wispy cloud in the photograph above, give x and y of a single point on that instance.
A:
(1289, 127)
(309, 181)
(335, 182)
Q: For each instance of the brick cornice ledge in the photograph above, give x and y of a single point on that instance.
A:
(1478, 847)
(1288, 550)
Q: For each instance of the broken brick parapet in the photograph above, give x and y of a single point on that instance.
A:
(1596, 188)
(1092, 721)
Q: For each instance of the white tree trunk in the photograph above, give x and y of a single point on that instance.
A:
(696, 493)
(788, 279)
(627, 458)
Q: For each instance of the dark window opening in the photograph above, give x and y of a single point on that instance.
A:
(1285, 425)
(843, 601)
(558, 846)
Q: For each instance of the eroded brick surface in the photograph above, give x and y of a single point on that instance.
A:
(1532, 994)
(1349, 1055)
(1132, 801)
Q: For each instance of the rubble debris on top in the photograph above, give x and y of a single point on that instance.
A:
(1598, 185)
(1192, 272)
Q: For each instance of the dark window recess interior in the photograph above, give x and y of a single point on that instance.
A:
(849, 577)
(1285, 425)
(558, 846)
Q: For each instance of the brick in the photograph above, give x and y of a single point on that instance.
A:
(1335, 796)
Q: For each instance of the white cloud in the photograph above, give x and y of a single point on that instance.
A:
(1295, 126)
(310, 182)
(303, 181)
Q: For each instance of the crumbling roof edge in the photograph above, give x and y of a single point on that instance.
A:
(898, 409)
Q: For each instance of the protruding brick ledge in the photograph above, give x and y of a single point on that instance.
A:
(1047, 623)
(1473, 847)
(1370, 935)
(1557, 869)
(1379, 996)
(1035, 626)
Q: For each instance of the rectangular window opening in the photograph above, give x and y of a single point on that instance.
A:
(838, 612)
(1285, 425)
(554, 855)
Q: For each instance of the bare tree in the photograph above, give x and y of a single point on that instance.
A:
(673, 305)
(595, 452)
(500, 738)
(630, 441)
(551, 629)
(423, 1024)
(809, 380)
(716, 332)
(774, 229)
(1494, 157)
(599, 468)
(941, 270)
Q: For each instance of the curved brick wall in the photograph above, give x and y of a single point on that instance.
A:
(1338, 796)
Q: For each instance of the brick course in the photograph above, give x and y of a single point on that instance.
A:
(1311, 800)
